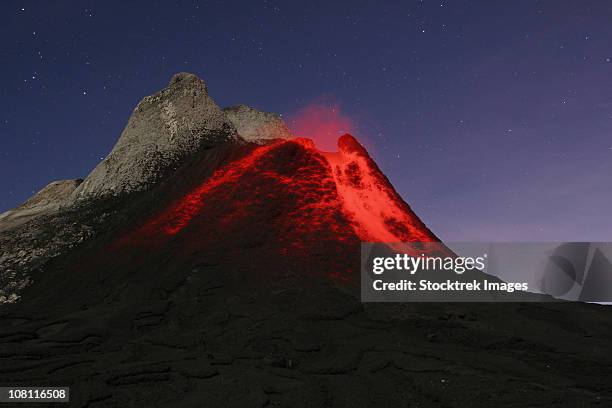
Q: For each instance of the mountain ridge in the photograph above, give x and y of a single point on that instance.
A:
(166, 129)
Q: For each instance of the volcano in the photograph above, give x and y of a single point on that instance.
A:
(212, 258)
(289, 199)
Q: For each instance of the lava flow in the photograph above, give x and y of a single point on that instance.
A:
(298, 194)
(378, 212)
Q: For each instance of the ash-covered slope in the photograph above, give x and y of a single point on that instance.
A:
(226, 280)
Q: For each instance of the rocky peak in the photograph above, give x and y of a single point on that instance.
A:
(176, 122)
(55, 195)
(257, 126)
(185, 77)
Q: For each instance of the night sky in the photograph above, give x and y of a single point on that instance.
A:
(492, 119)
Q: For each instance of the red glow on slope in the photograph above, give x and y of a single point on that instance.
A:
(177, 216)
(292, 198)
(321, 123)
(378, 213)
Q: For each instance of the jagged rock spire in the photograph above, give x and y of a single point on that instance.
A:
(164, 128)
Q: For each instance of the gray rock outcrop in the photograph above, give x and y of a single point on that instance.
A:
(256, 126)
(48, 200)
(165, 127)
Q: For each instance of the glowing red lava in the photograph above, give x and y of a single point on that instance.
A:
(178, 216)
(312, 190)
(378, 212)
